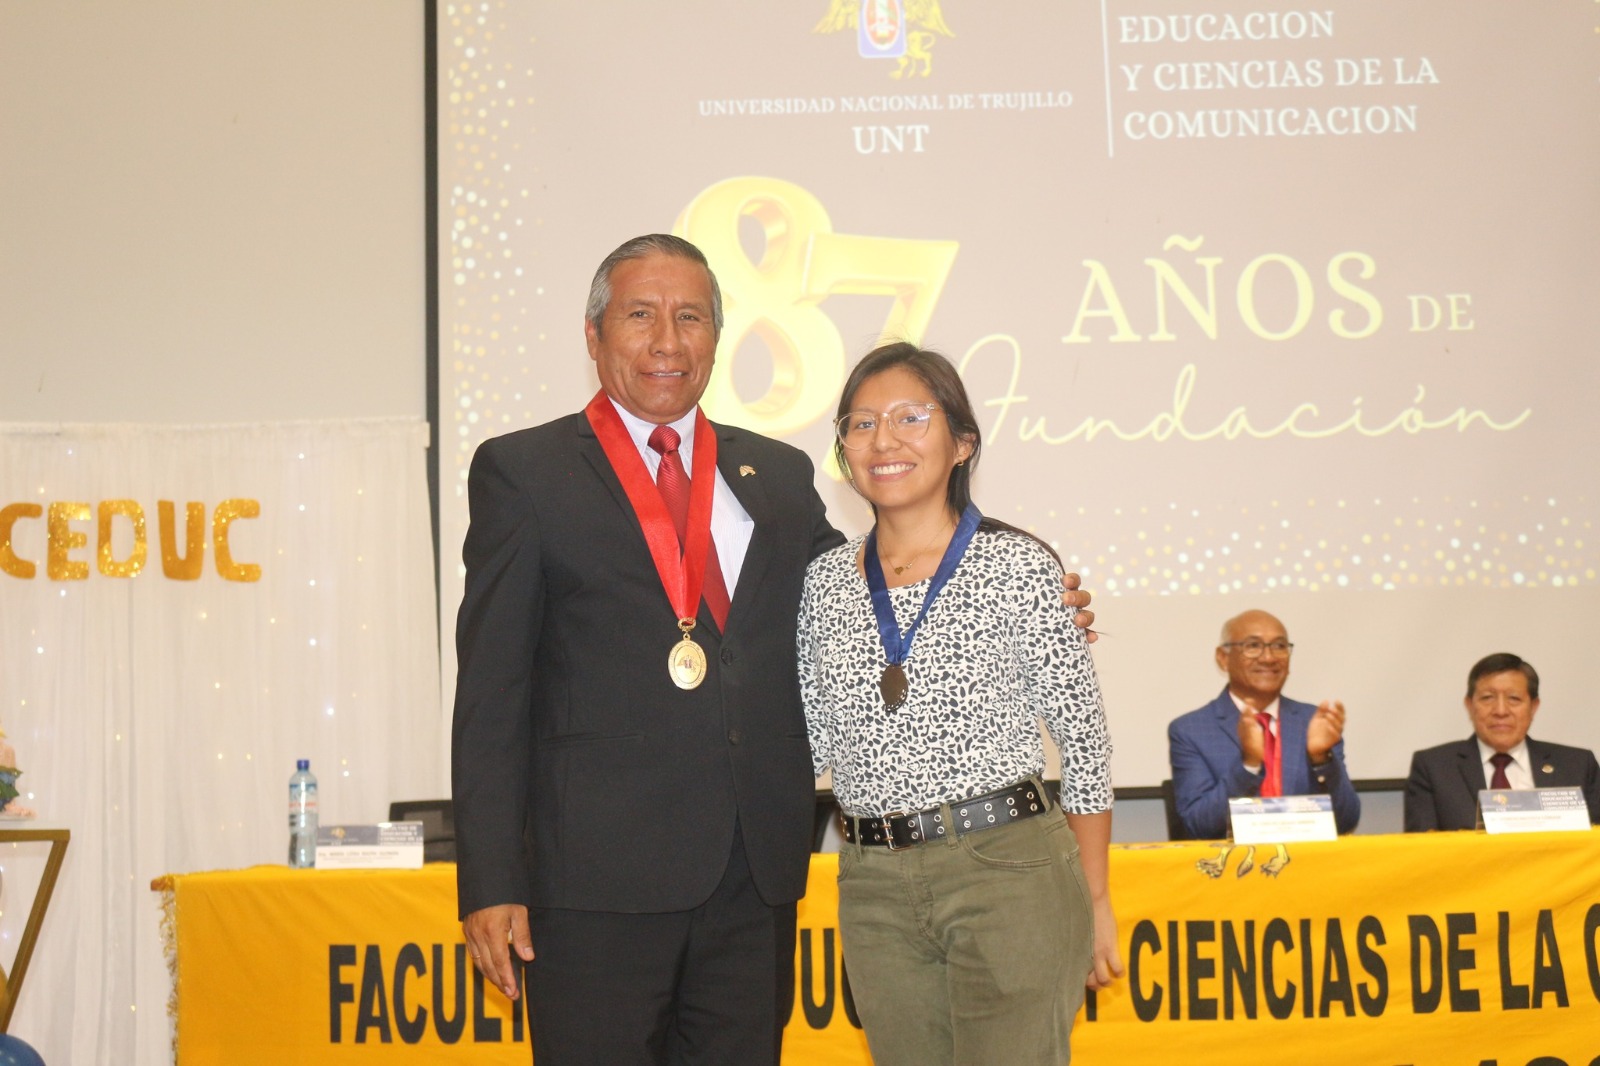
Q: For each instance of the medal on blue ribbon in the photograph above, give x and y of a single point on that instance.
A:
(893, 684)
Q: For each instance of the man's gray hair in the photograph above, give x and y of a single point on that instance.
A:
(639, 248)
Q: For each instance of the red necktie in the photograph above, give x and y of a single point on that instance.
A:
(1501, 760)
(1271, 775)
(673, 482)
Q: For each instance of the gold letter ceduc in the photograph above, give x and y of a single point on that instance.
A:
(9, 563)
(62, 539)
(185, 567)
(134, 562)
(227, 512)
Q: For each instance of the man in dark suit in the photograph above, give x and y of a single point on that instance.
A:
(642, 843)
(1250, 741)
(632, 781)
(1502, 697)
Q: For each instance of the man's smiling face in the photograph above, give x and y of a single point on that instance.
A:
(657, 341)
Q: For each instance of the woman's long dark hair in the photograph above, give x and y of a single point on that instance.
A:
(940, 377)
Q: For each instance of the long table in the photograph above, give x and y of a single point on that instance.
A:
(1438, 950)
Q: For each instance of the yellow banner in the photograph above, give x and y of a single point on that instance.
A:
(1454, 949)
(1440, 950)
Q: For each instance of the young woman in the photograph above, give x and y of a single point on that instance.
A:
(973, 913)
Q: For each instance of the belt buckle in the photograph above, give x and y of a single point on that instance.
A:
(888, 830)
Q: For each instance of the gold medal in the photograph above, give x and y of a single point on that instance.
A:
(686, 663)
(893, 686)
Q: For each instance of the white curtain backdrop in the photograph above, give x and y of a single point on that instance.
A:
(159, 719)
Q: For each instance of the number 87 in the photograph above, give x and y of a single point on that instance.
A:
(777, 298)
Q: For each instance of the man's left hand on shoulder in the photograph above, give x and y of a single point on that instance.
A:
(1078, 599)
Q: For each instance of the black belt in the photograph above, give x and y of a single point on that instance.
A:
(903, 830)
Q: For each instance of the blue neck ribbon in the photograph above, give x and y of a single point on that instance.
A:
(897, 647)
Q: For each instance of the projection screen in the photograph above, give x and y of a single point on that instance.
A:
(1264, 305)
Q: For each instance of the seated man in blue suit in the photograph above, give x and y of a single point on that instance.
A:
(1502, 696)
(1227, 748)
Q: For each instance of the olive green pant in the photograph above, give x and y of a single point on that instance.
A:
(969, 951)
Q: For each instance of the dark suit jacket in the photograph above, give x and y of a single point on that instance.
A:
(1442, 791)
(1207, 769)
(583, 777)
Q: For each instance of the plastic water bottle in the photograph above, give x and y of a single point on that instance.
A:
(303, 816)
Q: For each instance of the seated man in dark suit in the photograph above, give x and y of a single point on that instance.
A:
(1231, 746)
(1502, 696)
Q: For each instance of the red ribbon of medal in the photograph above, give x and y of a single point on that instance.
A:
(683, 574)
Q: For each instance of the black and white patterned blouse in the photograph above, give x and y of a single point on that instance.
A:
(997, 652)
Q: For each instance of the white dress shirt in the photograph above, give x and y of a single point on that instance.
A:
(1518, 773)
(731, 526)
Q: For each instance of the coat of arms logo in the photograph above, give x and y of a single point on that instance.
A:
(902, 30)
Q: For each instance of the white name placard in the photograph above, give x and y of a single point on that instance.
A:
(1533, 810)
(1282, 819)
(385, 846)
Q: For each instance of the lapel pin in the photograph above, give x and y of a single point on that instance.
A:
(746, 471)
(1547, 769)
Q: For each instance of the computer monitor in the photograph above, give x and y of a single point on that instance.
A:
(438, 826)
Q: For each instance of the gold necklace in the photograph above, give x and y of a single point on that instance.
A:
(903, 567)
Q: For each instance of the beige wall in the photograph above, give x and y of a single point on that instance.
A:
(213, 212)
(210, 212)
